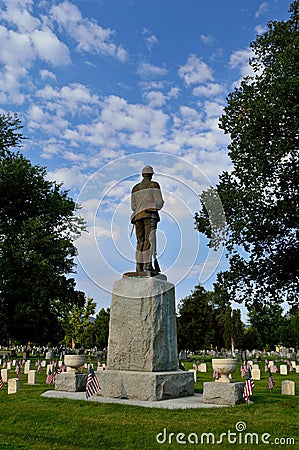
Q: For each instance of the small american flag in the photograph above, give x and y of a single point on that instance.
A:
(92, 384)
(1, 382)
(39, 366)
(50, 377)
(57, 370)
(249, 386)
(271, 382)
(243, 370)
(18, 372)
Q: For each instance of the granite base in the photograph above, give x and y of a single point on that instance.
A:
(145, 386)
(223, 393)
(70, 382)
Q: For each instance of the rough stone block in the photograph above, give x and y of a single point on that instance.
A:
(288, 387)
(70, 382)
(142, 333)
(223, 393)
(146, 386)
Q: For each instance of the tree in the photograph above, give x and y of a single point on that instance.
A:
(101, 328)
(79, 329)
(290, 328)
(268, 321)
(260, 196)
(9, 135)
(252, 339)
(233, 329)
(38, 227)
(200, 320)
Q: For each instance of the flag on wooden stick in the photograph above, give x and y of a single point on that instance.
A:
(271, 382)
(249, 386)
(92, 384)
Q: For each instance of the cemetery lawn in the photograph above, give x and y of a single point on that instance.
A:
(28, 421)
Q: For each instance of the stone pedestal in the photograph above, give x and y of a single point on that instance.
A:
(142, 347)
(146, 386)
(142, 327)
(70, 382)
(223, 393)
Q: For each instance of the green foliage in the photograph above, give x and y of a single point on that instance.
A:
(9, 135)
(78, 326)
(201, 320)
(38, 226)
(260, 196)
(290, 328)
(268, 321)
(252, 339)
(101, 328)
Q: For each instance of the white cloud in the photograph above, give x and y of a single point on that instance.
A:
(262, 9)
(260, 29)
(18, 13)
(240, 60)
(207, 39)
(208, 90)
(195, 71)
(46, 74)
(49, 48)
(90, 36)
(146, 70)
(150, 39)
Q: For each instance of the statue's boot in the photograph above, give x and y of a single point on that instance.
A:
(139, 267)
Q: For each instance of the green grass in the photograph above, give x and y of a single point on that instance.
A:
(28, 421)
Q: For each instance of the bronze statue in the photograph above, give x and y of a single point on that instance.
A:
(146, 201)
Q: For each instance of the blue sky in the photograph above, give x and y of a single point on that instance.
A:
(104, 87)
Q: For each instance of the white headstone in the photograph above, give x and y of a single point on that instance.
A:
(13, 385)
(250, 363)
(203, 367)
(8, 365)
(288, 387)
(4, 375)
(293, 364)
(297, 369)
(27, 366)
(43, 363)
(271, 363)
(256, 374)
(32, 377)
(48, 355)
(255, 366)
(14, 363)
(283, 369)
